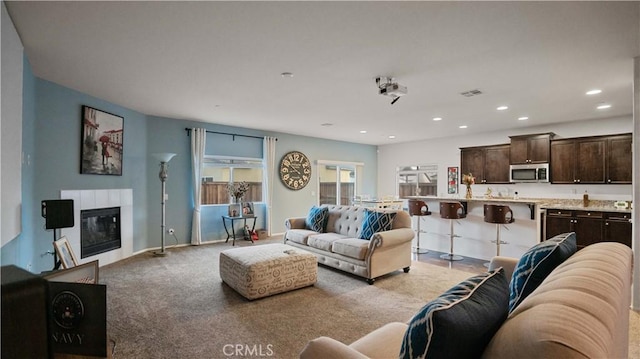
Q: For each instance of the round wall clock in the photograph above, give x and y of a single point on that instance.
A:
(295, 170)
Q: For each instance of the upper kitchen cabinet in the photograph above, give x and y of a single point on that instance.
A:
(591, 160)
(488, 164)
(530, 148)
(619, 159)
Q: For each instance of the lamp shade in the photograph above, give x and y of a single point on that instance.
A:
(163, 157)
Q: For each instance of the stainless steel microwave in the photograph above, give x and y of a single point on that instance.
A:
(538, 172)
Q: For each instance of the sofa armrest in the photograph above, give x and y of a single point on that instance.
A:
(391, 238)
(295, 223)
(507, 263)
(325, 347)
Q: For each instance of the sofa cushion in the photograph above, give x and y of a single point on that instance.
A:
(536, 264)
(351, 247)
(375, 222)
(317, 219)
(299, 235)
(461, 322)
(323, 241)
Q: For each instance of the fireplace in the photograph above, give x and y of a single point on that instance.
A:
(100, 231)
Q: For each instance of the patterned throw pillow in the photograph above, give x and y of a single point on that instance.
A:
(461, 322)
(536, 264)
(317, 219)
(375, 222)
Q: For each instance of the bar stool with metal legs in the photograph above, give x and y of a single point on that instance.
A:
(451, 211)
(500, 215)
(418, 209)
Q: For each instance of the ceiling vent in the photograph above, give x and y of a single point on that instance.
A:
(387, 86)
(471, 93)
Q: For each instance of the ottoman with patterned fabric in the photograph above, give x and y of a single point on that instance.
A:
(264, 270)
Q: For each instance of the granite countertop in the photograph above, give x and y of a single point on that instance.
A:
(544, 203)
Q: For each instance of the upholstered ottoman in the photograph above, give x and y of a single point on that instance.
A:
(264, 270)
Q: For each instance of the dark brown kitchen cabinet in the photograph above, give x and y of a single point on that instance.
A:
(530, 148)
(619, 159)
(618, 228)
(590, 226)
(488, 164)
(591, 160)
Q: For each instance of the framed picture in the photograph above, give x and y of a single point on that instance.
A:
(85, 273)
(235, 210)
(102, 140)
(64, 252)
(247, 209)
(452, 180)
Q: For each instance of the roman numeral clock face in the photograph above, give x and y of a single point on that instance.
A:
(295, 170)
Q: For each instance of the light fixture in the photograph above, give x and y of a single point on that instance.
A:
(163, 158)
(463, 126)
(392, 137)
(593, 92)
(363, 131)
(287, 74)
(437, 118)
(523, 118)
(603, 106)
(502, 108)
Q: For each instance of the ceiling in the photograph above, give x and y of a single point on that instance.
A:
(221, 62)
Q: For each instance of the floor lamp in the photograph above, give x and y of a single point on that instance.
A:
(164, 158)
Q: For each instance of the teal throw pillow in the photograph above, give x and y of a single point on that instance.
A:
(375, 222)
(317, 219)
(536, 264)
(461, 322)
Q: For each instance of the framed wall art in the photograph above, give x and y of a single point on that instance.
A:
(452, 180)
(65, 253)
(102, 140)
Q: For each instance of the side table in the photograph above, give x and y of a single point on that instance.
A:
(232, 234)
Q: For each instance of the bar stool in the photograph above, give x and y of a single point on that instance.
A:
(500, 215)
(451, 211)
(419, 209)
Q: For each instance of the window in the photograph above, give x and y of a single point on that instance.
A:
(417, 180)
(219, 171)
(337, 182)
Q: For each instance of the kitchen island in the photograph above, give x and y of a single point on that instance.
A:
(476, 238)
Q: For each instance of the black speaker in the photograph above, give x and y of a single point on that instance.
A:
(24, 314)
(58, 213)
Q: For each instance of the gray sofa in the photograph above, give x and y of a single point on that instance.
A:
(339, 246)
(580, 310)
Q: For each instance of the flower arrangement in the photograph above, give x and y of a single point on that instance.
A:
(468, 180)
(237, 190)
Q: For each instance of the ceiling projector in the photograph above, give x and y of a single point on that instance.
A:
(387, 87)
(393, 90)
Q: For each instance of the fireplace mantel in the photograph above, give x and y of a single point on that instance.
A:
(101, 198)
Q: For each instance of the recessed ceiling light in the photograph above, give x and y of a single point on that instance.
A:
(326, 124)
(437, 118)
(463, 126)
(363, 131)
(287, 74)
(502, 108)
(603, 106)
(593, 92)
(523, 118)
(392, 137)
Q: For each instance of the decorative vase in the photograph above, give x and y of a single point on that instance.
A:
(469, 194)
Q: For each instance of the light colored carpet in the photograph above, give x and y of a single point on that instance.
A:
(178, 307)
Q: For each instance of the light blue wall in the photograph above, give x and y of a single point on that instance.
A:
(56, 161)
(169, 135)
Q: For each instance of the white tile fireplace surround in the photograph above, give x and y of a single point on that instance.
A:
(101, 198)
